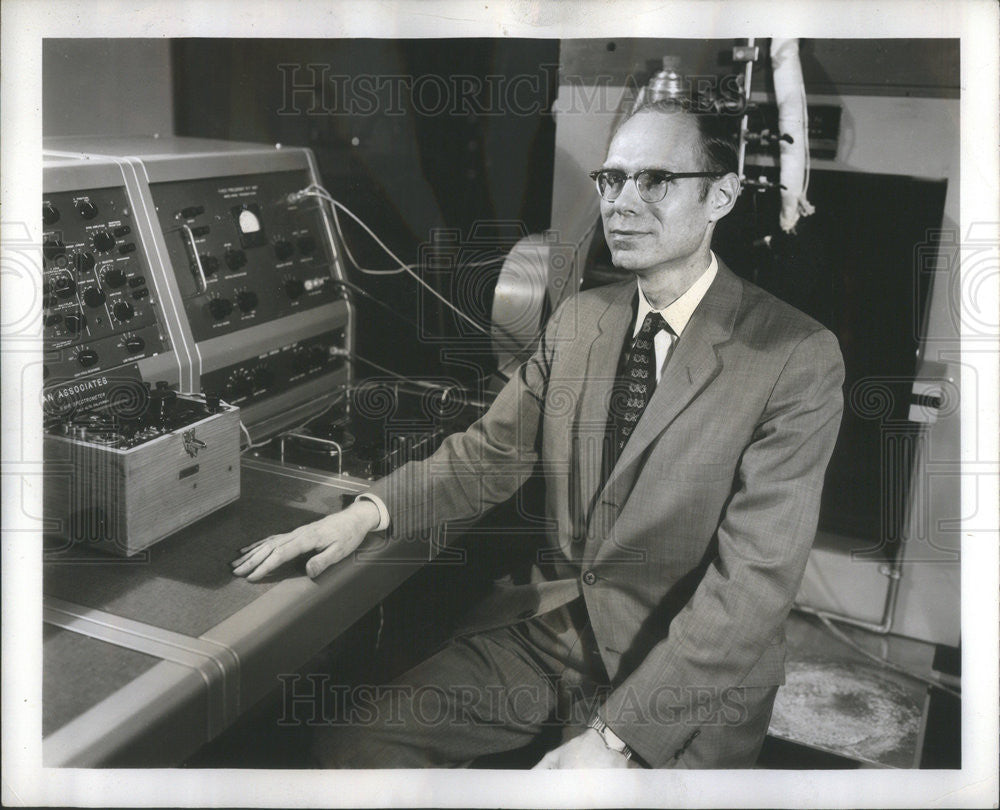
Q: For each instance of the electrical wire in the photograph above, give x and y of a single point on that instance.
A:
(381, 625)
(409, 381)
(351, 287)
(355, 288)
(337, 398)
(250, 443)
(840, 635)
(315, 190)
(384, 370)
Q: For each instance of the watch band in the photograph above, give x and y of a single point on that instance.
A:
(611, 740)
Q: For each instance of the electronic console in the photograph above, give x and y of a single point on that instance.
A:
(186, 298)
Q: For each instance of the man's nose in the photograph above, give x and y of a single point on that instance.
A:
(628, 201)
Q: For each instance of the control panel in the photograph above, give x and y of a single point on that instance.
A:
(277, 369)
(197, 262)
(99, 306)
(244, 255)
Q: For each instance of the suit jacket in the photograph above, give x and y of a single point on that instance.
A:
(689, 555)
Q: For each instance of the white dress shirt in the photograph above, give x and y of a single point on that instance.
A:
(677, 313)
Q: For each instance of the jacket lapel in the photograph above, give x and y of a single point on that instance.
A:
(693, 364)
(602, 366)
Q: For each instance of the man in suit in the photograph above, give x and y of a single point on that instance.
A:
(683, 420)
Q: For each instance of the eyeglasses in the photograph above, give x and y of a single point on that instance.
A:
(650, 183)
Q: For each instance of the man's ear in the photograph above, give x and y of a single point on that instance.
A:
(722, 196)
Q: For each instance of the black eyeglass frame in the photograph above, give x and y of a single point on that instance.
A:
(667, 177)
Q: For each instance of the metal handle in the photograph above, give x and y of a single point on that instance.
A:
(186, 229)
(318, 440)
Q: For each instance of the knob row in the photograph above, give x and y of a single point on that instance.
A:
(54, 250)
(237, 259)
(87, 209)
(247, 300)
(64, 286)
(88, 356)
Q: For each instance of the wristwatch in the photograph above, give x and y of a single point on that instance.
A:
(611, 740)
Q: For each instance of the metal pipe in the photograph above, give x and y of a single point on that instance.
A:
(747, 75)
(889, 608)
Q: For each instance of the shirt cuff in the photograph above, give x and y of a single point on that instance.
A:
(383, 512)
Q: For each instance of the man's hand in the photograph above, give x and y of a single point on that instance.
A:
(334, 536)
(584, 751)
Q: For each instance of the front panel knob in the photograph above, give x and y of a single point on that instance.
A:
(114, 278)
(104, 241)
(209, 263)
(300, 361)
(87, 358)
(294, 287)
(241, 384)
(235, 259)
(283, 250)
(94, 297)
(307, 245)
(64, 286)
(84, 262)
(220, 308)
(123, 310)
(246, 300)
(50, 214)
(86, 209)
(135, 344)
(263, 378)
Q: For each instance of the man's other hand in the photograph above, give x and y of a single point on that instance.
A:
(334, 537)
(586, 750)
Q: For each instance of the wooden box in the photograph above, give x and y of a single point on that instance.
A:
(125, 500)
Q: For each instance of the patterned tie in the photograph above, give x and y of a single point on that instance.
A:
(634, 385)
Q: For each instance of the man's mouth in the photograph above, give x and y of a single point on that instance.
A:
(625, 232)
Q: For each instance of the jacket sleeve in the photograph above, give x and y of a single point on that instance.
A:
(763, 542)
(483, 466)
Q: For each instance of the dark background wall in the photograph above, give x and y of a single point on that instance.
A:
(414, 136)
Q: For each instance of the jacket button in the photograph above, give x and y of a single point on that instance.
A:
(589, 577)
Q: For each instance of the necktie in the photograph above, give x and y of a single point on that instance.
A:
(634, 385)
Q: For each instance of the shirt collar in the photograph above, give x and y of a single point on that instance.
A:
(679, 311)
